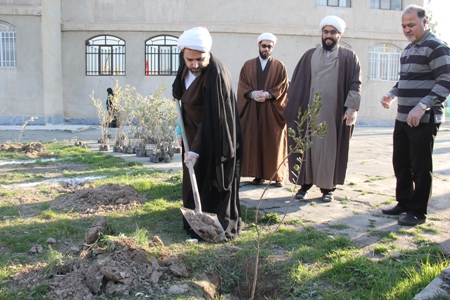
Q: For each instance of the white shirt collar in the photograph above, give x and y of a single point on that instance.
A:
(263, 62)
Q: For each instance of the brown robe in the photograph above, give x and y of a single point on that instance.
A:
(263, 126)
(213, 131)
(349, 79)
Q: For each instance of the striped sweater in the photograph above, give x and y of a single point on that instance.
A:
(424, 77)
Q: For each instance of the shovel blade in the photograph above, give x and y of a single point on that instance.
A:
(205, 224)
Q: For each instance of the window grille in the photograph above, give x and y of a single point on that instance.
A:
(161, 56)
(7, 45)
(386, 4)
(384, 62)
(340, 3)
(105, 56)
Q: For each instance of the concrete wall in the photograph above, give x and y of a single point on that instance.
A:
(21, 88)
(234, 26)
(52, 63)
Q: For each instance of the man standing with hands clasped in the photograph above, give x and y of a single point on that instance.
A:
(262, 97)
(421, 90)
(335, 72)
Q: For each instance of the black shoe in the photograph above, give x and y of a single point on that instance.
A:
(396, 210)
(279, 183)
(193, 234)
(411, 220)
(327, 197)
(301, 194)
(258, 181)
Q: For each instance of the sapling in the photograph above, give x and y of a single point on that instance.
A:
(307, 128)
(24, 125)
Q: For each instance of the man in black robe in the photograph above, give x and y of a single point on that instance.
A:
(212, 127)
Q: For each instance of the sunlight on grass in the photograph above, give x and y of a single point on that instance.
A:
(305, 262)
(47, 215)
(340, 226)
(376, 178)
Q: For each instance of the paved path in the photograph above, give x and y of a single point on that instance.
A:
(369, 184)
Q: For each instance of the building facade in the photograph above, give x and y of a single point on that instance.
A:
(55, 53)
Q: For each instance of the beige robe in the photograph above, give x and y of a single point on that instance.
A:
(346, 90)
(321, 157)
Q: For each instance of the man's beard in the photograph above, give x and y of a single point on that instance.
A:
(197, 71)
(330, 47)
(264, 55)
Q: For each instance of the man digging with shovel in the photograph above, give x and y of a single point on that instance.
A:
(213, 134)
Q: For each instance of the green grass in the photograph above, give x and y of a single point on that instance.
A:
(376, 178)
(304, 262)
(340, 226)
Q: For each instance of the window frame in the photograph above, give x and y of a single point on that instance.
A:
(340, 3)
(384, 62)
(378, 4)
(162, 55)
(8, 48)
(105, 56)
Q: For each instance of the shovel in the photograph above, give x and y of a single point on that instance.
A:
(205, 224)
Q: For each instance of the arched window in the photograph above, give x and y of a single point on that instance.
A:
(7, 45)
(105, 55)
(384, 62)
(161, 56)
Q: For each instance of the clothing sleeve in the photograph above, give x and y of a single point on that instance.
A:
(279, 90)
(247, 95)
(394, 91)
(439, 62)
(178, 128)
(244, 89)
(353, 100)
(197, 143)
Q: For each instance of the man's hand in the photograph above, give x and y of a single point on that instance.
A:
(258, 96)
(415, 115)
(386, 101)
(190, 156)
(350, 116)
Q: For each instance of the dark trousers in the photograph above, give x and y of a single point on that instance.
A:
(413, 165)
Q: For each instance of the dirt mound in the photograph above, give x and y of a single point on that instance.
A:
(92, 200)
(122, 269)
(33, 149)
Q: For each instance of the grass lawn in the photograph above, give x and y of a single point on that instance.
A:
(296, 261)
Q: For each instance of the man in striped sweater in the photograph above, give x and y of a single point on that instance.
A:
(422, 88)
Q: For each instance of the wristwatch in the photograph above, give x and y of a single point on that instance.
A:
(423, 106)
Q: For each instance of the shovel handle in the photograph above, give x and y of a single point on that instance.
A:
(198, 204)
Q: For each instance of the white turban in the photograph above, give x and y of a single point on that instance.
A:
(197, 38)
(334, 21)
(267, 36)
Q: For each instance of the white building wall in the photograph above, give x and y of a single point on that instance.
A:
(52, 63)
(21, 88)
(234, 26)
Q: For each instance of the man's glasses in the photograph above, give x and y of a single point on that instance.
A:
(333, 32)
(266, 46)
